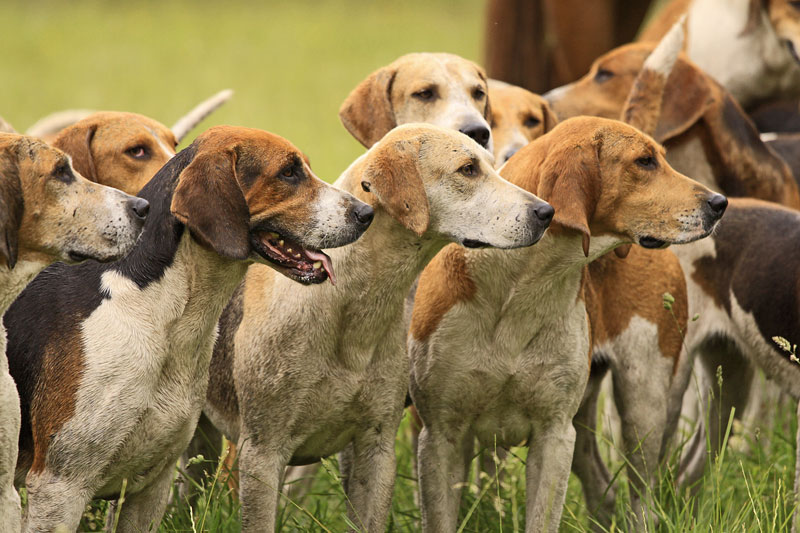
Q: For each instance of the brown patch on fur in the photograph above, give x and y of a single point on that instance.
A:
(367, 111)
(62, 371)
(618, 291)
(102, 147)
(642, 108)
(393, 176)
(11, 204)
(444, 283)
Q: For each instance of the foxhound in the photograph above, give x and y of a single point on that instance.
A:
(111, 361)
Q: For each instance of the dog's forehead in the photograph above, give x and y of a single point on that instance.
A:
(122, 127)
(436, 68)
(257, 144)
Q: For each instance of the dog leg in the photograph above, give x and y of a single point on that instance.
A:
(442, 473)
(642, 394)
(143, 510)
(586, 461)
(9, 435)
(547, 473)
(370, 474)
(260, 475)
(53, 503)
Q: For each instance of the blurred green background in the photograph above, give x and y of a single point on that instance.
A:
(291, 63)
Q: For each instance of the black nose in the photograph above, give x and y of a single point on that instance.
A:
(139, 207)
(544, 212)
(718, 203)
(364, 214)
(479, 133)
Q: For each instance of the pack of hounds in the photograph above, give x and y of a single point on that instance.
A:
(497, 254)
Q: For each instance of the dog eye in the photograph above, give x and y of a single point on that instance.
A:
(287, 172)
(468, 170)
(648, 163)
(63, 174)
(478, 93)
(603, 75)
(137, 152)
(531, 122)
(424, 94)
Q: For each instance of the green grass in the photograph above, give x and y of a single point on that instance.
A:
(291, 64)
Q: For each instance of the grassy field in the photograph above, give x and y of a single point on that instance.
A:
(291, 64)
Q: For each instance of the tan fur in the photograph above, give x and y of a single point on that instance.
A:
(694, 107)
(518, 117)
(387, 97)
(104, 146)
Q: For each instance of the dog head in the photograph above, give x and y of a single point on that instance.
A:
(121, 150)
(438, 182)
(441, 89)
(783, 16)
(694, 109)
(52, 213)
(251, 195)
(518, 117)
(604, 177)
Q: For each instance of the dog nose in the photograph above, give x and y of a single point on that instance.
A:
(543, 212)
(139, 207)
(364, 214)
(718, 203)
(479, 133)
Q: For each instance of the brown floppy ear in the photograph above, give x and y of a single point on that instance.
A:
(367, 113)
(549, 119)
(743, 164)
(11, 207)
(76, 141)
(687, 96)
(209, 201)
(570, 182)
(392, 175)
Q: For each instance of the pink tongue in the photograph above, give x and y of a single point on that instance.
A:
(326, 263)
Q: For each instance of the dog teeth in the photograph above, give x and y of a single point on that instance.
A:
(289, 250)
(273, 235)
(280, 242)
(297, 256)
(317, 265)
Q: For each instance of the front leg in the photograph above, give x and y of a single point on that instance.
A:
(54, 502)
(143, 510)
(261, 469)
(547, 473)
(587, 463)
(443, 462)
(368, 472)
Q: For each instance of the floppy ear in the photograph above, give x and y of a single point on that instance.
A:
(753, 16)
(643, 105)
(549, 119)
(209, 201)
(570, 182)
(743, 164)
(11, 207)
(367, 113)
(392, 175)
(687, 96)
(76, 141)
(487, 109)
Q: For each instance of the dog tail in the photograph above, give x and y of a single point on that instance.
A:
(191, 119)
(643, 106)
(5, 127)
